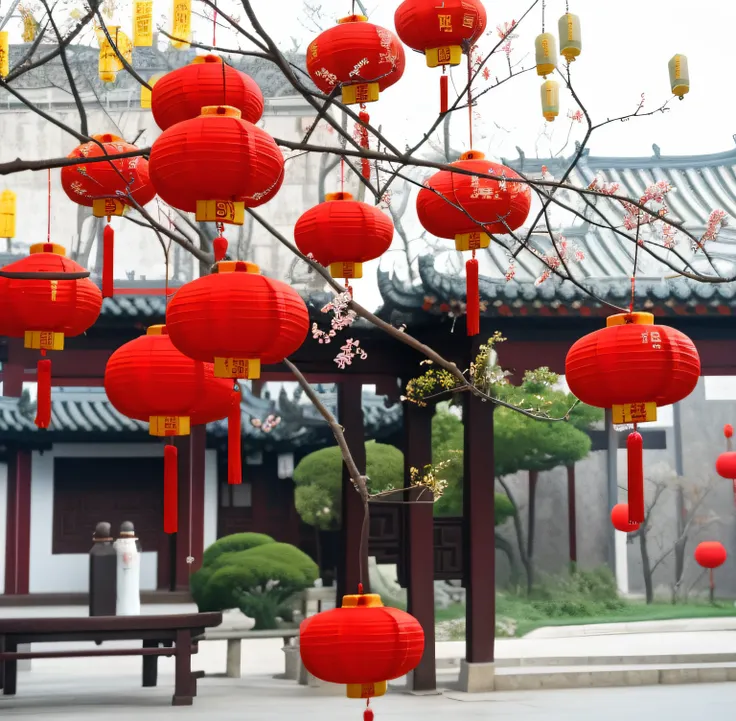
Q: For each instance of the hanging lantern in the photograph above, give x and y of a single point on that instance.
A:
(342, 234)
(109, 62)
(149, 380)
(571, 42)
(108, 187)
(710, 555)
(620, 519)
(181, 29)
(726, 462)
(4, 53)
(30, 26)
(237, 319)
(550, 100)
(143, 23)
(7, 214)
(633, 367)
(546, 49)
(183, 93)
(469, 209)
(146, 93)
(216, 165)
(363, 645)
(44, 312)
(679, 76)
(441, 31)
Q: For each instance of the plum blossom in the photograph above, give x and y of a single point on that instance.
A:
(342, 318)
(350, 350)
(576, 116)
(567, 253)
(716, 221)
(267, 425)
(505, 32)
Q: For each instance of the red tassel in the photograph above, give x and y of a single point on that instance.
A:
(364, 143)
(368, 715)
(635, 452)
(171, 489)
(444, 100)
(108, 261)
(472, 297)
(43, 400)
(219, 246)
(234, 468)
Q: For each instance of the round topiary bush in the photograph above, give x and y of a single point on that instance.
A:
(254, 573)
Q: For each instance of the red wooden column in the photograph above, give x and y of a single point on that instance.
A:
(350, 416)
(13, 374)
(18, 523)
(419, 540)
(479, 552)
(190, 536)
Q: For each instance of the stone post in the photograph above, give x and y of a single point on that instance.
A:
(102, 574)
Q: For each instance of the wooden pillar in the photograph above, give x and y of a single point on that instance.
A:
(13, 374)
(479, 553)
(572, 516)
(350, 416)
(18, 524)
(419, 540)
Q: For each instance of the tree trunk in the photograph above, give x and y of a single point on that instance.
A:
(646, 568)
(533, 478)
(506, 548)
(518, 528)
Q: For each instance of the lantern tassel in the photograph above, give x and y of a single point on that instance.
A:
(365, 143)
(108, 261)
(368, 713)
(171, 489)
(234, 468)
(472, 297)
(444, 93)
(635, 455)
(219, 246)
(43, 401)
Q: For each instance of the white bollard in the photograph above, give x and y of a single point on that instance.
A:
(128, 576)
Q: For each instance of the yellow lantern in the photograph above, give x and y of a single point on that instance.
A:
(550, 100)
(182, 26)
(29, 24)
(546, 47)
(4, 54)
(679, 76)
(571, 42)
(143, 23)
(7, 214)
(146, 93)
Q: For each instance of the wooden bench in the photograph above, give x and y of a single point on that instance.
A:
(176, 633)
(235, 637)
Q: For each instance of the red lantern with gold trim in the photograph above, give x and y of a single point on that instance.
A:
(343, 233)
(363, 645)
(108, 187)
(632, 367)
(620, 519)
(441, 31)
(181, 94)
(45, 312)
(726, 462)
(149, 380)
(216, 165)
(469, 209)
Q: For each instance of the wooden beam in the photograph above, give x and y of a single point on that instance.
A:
(18, 524)
(419, 540)
(353, 556)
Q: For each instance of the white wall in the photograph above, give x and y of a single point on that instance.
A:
(3, 521)
(69, 573)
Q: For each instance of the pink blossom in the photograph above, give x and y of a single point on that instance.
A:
(576, 116)
(511, 271)
(716, 221)
(350, 350)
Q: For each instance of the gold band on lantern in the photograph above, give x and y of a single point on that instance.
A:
(156, 330)
(366, 690)
(241, 266)
(634, 413)
(346, 269)
(238, 368)
(105, 207)
(330, 197)
(220, 211)
(201, 59)
(472, 241)
(169, 425)
(43, 339)
(360, 93)
(445, 55)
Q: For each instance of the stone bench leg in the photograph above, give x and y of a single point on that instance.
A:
(232, 669)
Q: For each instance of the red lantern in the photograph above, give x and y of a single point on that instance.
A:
(150, 380)
(361, 58)
(237, 319)
(481, 207)
(726, 462)
(44, 312)
(710, 554)
(216, 165)
(632, 367)
(620, 519)
(441, 31)
(728, 431)
(107, 188)
(343, 233)
(181, 94)
(363, 645)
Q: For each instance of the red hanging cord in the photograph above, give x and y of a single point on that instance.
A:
(444, 92)
(635, 460)
(48, 227)
(108, 261)
(171, 489)
(43, 397)
(472, 296)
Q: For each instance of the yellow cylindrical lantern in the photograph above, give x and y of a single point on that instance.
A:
(550, 100)
(7, 214)
(679, 76)
(546, 47)
(125, 47)
(182, 26)
(143, 23)
(571, 41)
(108, 63)
(4, 54)
(146, 93)
(29, 24)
